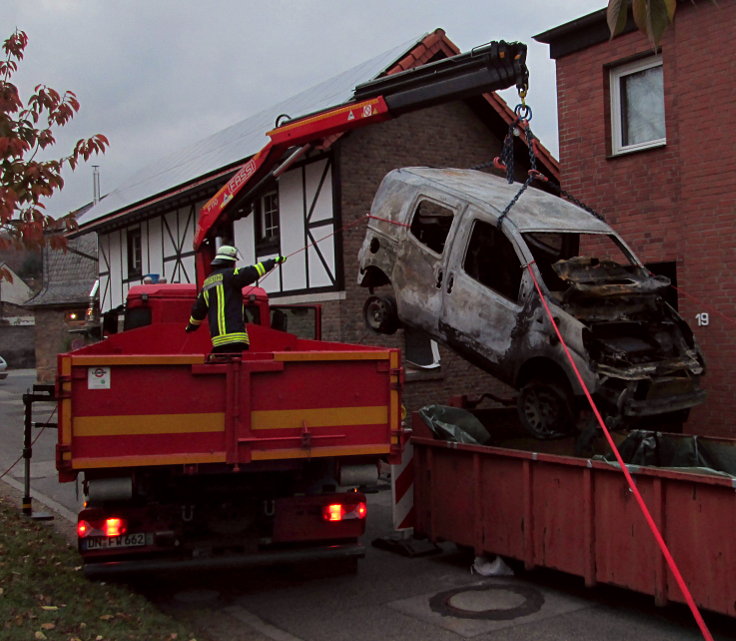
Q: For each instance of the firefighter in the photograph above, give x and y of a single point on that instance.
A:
(221, 300)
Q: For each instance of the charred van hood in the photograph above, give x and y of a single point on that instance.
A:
(631, 332)
(601, 278)
(598, 290)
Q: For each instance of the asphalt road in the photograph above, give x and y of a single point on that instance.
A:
(433, 597)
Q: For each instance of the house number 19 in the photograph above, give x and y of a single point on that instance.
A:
(703, 319)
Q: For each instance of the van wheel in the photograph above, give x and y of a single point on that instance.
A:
(545, 408)
(379, 313)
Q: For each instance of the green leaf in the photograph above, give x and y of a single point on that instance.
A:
(653, 17)
(616, 15)
(671, 6)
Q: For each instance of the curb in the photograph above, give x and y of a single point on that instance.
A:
(44, 500)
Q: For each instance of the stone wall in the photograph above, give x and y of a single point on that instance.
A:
(52, 338)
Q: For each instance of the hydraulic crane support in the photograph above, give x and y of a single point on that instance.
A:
(495, 66)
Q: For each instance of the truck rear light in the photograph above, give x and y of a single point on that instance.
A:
(115, 527)
(334, 512)
(83, 529)
(340, 512)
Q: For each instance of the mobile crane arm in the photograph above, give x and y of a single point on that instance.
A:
(492, 67)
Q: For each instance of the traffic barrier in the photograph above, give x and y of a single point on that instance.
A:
(402, 490)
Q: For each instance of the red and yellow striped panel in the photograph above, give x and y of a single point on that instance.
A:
(148, 439)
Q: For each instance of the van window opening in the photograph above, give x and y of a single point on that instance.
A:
(550, 247)
(490, 259)
(431, 225)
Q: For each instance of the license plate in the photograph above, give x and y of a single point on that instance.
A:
(114, 542)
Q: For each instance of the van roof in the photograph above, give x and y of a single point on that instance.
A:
(536, 210)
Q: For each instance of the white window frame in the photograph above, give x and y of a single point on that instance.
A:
(134, 243)
(616, 74)
(270, 217)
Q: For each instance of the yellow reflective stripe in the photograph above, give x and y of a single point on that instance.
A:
(260, 269)
(115, 359)
(194, 321)
(233, 337)
(221, 327)
(319, 417)
(148, 459)
(206, 294)
(317, 452)
(123, 425)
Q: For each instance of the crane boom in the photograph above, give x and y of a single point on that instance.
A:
(495, 66)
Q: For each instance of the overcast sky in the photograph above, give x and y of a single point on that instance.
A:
(155, 75)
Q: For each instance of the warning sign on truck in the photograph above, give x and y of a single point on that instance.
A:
(98, 378)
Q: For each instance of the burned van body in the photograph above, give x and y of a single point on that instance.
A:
(438, 256)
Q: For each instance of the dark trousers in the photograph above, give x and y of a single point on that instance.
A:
(230, 348)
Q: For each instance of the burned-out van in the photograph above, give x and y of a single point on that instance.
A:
(438, 256)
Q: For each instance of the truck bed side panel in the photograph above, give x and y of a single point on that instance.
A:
(123, 411)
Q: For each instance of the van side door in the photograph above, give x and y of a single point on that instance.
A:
(480, 295)
(419, 272)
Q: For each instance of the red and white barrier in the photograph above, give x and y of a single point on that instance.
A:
(402, 490)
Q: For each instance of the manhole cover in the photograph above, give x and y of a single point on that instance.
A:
(488, 601)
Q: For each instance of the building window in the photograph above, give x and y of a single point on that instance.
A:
(268, 222)
(637, 106)
(135, 254)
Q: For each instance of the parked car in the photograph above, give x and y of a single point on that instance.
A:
(438, 257)
(3, 369)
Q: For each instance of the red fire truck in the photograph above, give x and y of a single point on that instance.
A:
(200, 460)
(210, 461)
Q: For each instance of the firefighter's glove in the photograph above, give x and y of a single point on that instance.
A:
(190, 328)
(280, 259)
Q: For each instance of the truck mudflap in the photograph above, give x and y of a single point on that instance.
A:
(110, 569)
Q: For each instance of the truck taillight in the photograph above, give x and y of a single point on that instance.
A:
(115, 527)
(340, 512)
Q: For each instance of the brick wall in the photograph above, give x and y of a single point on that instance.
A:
(674, 203)
(52, 338)
(450, 135)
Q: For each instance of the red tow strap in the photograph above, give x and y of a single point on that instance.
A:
(632, 485)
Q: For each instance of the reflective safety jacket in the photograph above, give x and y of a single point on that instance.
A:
(221, 302)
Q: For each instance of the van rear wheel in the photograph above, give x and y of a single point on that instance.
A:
(379, 313)
(545, 408)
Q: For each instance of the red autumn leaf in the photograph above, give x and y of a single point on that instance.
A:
(24, 181)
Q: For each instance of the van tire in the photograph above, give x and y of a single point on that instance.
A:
(379, 313)
(545, 408)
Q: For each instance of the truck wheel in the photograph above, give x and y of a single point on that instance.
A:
(545, 409)
(379, 313)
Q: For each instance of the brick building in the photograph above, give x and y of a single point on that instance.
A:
(645, 139)
(312, 211)
(60, 306)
